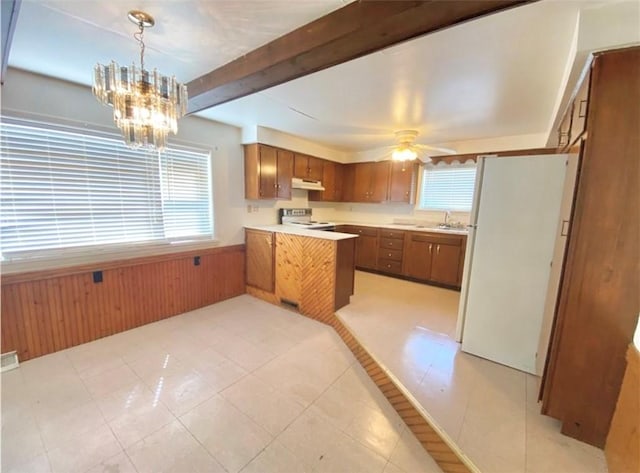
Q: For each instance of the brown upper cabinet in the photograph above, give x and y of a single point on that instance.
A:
(348, 182)
(307, 167)
(574, 121)
(597, 307)
(332, 180)
(370, 181)
(267, 172)
(402, 182)
(579, 115)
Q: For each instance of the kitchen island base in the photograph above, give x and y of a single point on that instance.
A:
(314, 274)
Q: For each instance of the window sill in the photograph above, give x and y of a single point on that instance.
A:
(75, 262)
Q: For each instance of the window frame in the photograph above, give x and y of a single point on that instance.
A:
(424, 168)
(81, 254)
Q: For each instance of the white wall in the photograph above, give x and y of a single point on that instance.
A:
(52, 99)
(25, 92)
(603, 26)
(269, 136)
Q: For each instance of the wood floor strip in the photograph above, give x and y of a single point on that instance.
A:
(446, 458)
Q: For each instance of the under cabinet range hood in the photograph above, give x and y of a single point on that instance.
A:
(308, 184)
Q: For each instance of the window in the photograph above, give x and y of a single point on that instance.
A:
(447, 187)
(64, 187)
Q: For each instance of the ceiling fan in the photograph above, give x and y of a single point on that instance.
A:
(408, 150)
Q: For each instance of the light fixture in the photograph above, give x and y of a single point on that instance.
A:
(405, 151)
(146, 105)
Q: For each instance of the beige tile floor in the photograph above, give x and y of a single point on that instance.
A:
(237, 386)
(489, 410)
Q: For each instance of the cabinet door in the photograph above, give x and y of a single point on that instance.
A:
(379, 182)
(367, 252)
(259, 256)
(268, 172)
(418, 257)
(338, 183)
(285, 173)
(580, 105)
(300, 165)
(314, 168)
(328, 181)
(444, 266)
(251, 171)
(401, 182)
(363, 176)
(348, 182)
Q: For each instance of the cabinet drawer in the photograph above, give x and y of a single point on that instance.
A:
(391, 243)
(369, 231)
(394, 255)
(395, 234)
(390, 266)
(437, 238)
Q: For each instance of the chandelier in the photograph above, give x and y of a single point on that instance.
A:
(146, 105)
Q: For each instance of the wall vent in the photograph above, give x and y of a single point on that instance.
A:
(9, 361)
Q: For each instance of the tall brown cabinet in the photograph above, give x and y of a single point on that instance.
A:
(599, 300)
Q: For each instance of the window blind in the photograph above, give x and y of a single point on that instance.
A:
(447, 188)
(63, 187)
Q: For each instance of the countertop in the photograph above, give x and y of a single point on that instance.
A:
(302, 232)
(413, 228)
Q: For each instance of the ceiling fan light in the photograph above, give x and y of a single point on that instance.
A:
(404, 153)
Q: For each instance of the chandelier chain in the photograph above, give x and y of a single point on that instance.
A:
(139, 37)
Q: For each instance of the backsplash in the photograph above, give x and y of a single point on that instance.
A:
(382, 213)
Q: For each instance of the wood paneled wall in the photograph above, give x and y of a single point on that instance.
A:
(53, 310)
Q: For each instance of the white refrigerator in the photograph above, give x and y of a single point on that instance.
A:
(510, 247)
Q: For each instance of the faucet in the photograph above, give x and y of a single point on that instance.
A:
(447, 217)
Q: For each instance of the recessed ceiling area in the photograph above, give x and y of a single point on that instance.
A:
(493, 77)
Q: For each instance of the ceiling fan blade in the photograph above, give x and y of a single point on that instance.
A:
(436, 148)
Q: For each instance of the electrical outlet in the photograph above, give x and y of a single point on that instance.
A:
(249, 208)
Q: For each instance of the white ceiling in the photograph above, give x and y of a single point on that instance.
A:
(493, 77)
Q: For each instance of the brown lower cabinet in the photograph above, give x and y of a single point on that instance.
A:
(259, 261)
(436, 258)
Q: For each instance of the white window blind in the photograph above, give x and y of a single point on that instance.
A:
(447, 188)
(63, 187)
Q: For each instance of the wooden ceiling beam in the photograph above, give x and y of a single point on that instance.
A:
(355, 30)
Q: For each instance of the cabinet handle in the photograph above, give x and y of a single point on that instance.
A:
(582, 113)
(430, 246)
(438, 249)
(275, 186)
(389, 254)
(390, 243)
(388, 266)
